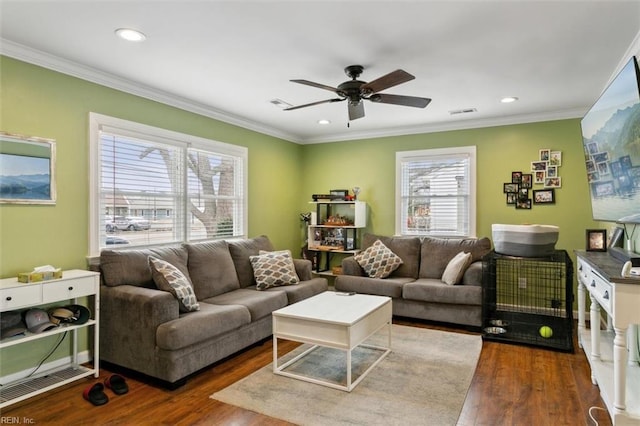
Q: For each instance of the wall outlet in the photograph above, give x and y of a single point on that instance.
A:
(522, 282)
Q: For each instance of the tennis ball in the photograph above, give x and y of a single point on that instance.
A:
(546, 331)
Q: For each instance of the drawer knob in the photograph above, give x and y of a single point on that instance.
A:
(606, 295)
(70, 288)
(9, 298)
(593, 283)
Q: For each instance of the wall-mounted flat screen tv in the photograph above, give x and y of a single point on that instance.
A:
(611, 138)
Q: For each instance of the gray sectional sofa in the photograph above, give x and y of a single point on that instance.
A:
(143, 329)
(416, 287)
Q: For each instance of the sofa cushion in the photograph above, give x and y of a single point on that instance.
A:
(211, 269)
(169, 278)
(195, 327)
(434, 290)
(406, 248)
(131, 266)
(391, 287)
(303, 290)
(241, 250)
(378, 261)
(273, 269)
(437, 252)
(456, 268)
(259, 303)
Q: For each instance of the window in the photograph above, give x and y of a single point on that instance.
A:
(151, 186)
(435, 192)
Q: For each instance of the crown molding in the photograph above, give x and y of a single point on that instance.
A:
(46, 60)
(37, 57)
(459, 125)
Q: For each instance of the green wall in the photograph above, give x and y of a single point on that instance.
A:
(48, 104)
(282, 175)
(38, 102)
(370, 164)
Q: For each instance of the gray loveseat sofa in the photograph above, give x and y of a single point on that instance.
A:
(142, 328)
(416, 286)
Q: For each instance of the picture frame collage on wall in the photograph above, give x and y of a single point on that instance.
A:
(544, 171)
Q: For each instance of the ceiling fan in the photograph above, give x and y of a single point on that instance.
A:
(355, 91)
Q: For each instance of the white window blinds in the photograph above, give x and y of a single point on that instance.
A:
(153, 187)
(436, 192)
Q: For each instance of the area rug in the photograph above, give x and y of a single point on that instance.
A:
(424, 380)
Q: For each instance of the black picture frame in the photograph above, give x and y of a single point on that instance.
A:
(544, 196)
(596, 240)
(523, 194)
(516, 177)
(510, 187)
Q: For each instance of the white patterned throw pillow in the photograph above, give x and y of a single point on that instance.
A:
(273, 269)
(169, 278)
(456, 267)
(378, 261)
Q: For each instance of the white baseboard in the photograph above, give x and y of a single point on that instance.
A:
(83, 357)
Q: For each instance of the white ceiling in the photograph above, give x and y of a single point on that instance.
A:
(229, 59)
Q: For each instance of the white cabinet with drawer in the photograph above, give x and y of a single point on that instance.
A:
(16, 296)
(609, 350)
(19, 297)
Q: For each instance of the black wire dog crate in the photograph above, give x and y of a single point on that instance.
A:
(528, 300)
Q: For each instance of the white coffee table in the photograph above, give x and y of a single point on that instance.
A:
(335, 320)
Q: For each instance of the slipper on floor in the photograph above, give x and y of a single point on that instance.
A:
(117, 384)
(95, 394)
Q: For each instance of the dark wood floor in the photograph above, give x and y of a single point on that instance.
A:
(513, 385)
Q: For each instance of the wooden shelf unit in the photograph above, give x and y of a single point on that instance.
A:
(327, 240)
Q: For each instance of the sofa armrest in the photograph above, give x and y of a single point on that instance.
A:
(473, 274)
(303, 269)
(351, 267)
(130, 316)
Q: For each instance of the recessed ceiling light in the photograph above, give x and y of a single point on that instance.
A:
(324, 121)
(508, 99)
(130, 34)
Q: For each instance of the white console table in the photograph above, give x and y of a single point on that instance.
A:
(16, 296)
(613, 369)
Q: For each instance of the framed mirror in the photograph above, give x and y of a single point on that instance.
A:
(27, 170)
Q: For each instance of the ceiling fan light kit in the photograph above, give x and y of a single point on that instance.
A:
(355, 91)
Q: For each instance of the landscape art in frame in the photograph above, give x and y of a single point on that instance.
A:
(27, 170)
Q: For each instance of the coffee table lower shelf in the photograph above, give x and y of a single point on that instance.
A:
(350, 385)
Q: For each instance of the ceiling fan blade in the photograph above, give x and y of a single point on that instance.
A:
(386, 81)
(318, 85)
(356, 110)
(326, 101)
(411, 101)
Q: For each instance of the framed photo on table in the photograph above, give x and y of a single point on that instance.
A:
(596, 240)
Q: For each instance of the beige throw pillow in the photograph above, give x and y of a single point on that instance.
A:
(169, 278)
(456, 268)
(273, 269)
(378, 261)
